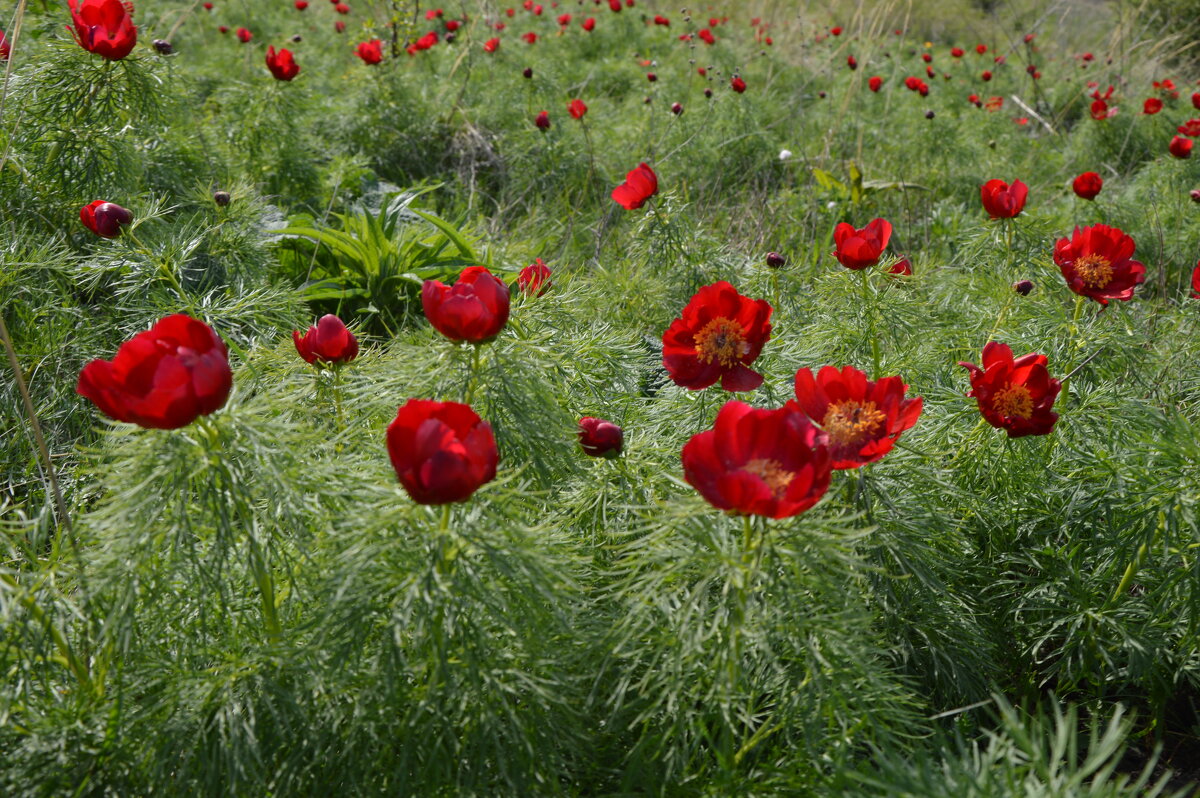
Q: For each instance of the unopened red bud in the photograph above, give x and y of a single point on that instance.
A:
(1023, 287)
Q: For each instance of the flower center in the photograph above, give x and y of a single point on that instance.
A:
(1015, 401)
(721, 340)
(1095, 270)
(848, 423)
(772, 473)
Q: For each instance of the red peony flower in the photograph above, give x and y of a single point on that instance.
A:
(1181, 147)
(474, 310)
(1014, 395)
(851, 62)
(1001, 200)
(340, 27)
(1087, 185)
(1190, 128)
(659, 19)
(706, 36)
(1096, 262)
(370, 52)
(737, 84)
(5, 49)
(281, 64)
(442, 451)
(718, 335)
(105, 219)
(986, 75)
(588, 24)
(542, 120)
(301, 5)
(902, 266)
(577, 109)
(1152, 106)
(328, 342)
(860, 419)
(758, 462)
(530, 37)
(341, 8)
(858, 249)
(104, 27)
(600, 438)
(836, 31)
(534, 279)
(491, 45)
(244, 35)
(640, 185)
(1196, 282)
(956, 52)
(875, 83)
(163, 378)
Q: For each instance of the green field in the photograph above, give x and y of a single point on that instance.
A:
(307, 584)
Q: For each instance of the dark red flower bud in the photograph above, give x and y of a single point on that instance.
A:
(775, 260)
(1023, 287)
(329, 342)
(442, 452)
(527, 72)
(221, 198)
(105, 219)
(475, 309)
(1195, 194)
(600, 438)
(676, 109)
(163, 47)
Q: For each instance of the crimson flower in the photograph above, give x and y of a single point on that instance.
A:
(5, 50)
(1190, 128)
(370, 52)
(659, 19)
(706, 36)
(491, 45)
(1087, 185)
(875, 83)
(530, 37)
(1152, 106)
(244, 35)
(105, 219)
(640, 185)
(716, 337)
(1096, 262)
(956, 52)
(330, 342)
(737, 84)
(758, 462)
(588, 24)
(534, 279)
(542, 120)
(1196, 282)
(104, 27)
(1181, 147)
(301, 5)
(163, 378)
(860, 419)
(858, 249)
(577, 109)
(1014, 395)
(1001, 200)
(600, 438)
(475, 309)
(442, 451)
(902, 266)
(281, 64)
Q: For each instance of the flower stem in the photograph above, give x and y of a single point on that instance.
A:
(472, 375)
(869, 308)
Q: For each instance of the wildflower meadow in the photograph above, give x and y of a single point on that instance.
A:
(599, 398)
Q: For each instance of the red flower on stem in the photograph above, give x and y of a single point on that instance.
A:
(281, 64)
(1087, 185)
(1097, 262)
(875, 83)
(475, 309)
(104, 27)
(860, 419)
(1196, 282)
(163, 378)
(737, 84)
(329, 342)
(105, 219)
(534, 279)
(1014, 395)
(370, 52)
(1001, 200)
(577, 109)
(244, 35)
(442, 452)
(858, 249)
(716, 337)
(1181, 147)
(758, 462)
(640, 185)
(600, 438)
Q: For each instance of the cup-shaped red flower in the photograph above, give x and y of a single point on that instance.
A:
(1014, 395)
(282, 65)
(640, 185)
(244, 35)
(370, 52)
(534, 279)
(718, 335)
(758, 462)
(1001, 200)
(858, 249)
(442, 451)
(860, 419)
(104, 27)
(105, 218)
(329, 342)
(475, 309)
(1087, 185)
(577, 109)
(163, 378)
(600, 438)
(1180, 147)
(1196, 282)
(875, 83)
(1097, 262)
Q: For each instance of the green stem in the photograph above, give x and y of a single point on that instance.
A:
(73, 663)
(472, 375)
(337, 396)
(869, 308)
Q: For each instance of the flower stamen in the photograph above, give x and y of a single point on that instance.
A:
(723, 340)
(1094, 269)
(772, 473)
(1015, 401)
(849, 423)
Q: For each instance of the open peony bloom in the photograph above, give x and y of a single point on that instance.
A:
(442, 451)
(105, 219)
(1097, 263)
(1014, 395)
(858, 249)
(600, 438)
(718, 335)
(860, 420)
(640, 185)
(758, 462)
(163, 378)
(370, 52)
(1001, 200)
(475, 309)
(282, 65)
(104, 27)
(1196, 282)
(329, 342)
(534, 279)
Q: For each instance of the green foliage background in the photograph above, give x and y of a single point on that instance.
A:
(251, 605)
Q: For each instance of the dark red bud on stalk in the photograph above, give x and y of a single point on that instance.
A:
(221, 198)
(775, 260)
(676, 109)
(527, 72)
(163, 47)
(1023, 287)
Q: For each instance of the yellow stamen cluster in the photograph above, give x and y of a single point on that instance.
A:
(1015, 401)
(771, 472)
(1095, 270)
(722, 340)
(848, 423)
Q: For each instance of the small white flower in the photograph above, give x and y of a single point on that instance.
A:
(785, 155)
(831, 204)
